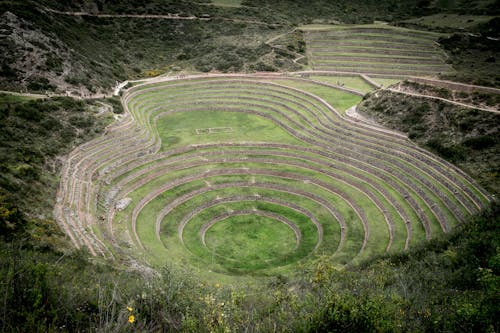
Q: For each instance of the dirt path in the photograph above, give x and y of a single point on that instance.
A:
(455, 85)
(353, 113)
(24, 94)
(297, 55)
(168, 16)
(368, 80)
(444, 100)
(352, 73)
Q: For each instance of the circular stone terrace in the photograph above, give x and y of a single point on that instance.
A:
(249, 175)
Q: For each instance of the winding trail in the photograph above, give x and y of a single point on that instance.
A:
(469, 106)
(168, 16)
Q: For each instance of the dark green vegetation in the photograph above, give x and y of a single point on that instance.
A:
(363, 11)
(472, 46)
(286, 11)
(111, 49)
(475, 56)
(474, 97)
(467, 137)
(35, 134)
(449, 284)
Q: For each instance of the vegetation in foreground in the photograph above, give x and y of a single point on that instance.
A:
(35, 134)
(449, 284)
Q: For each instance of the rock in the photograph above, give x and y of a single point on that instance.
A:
(123, 203)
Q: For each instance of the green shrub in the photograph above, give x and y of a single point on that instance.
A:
(40, 84)
(262, 67)
(11, 220)
(449, 152)
(33, 133)
(482, 142)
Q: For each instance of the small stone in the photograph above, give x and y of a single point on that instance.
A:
(123, 203)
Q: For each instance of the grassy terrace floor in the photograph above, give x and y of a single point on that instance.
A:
(375, 48)
(240, 177)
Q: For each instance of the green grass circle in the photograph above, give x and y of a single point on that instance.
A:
(250, 239)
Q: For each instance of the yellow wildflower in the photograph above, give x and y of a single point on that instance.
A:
(131, 319)
(129, 309)
(217, 285)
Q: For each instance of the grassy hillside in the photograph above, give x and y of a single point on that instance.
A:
(475, 56)
(89, 53)
(35, 135)
(469, 138)
(44, 50)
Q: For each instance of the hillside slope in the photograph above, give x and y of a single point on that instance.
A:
(467, 137)
(46, 49)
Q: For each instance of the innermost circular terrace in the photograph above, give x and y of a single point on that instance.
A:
(250, 238)
(256, 216)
